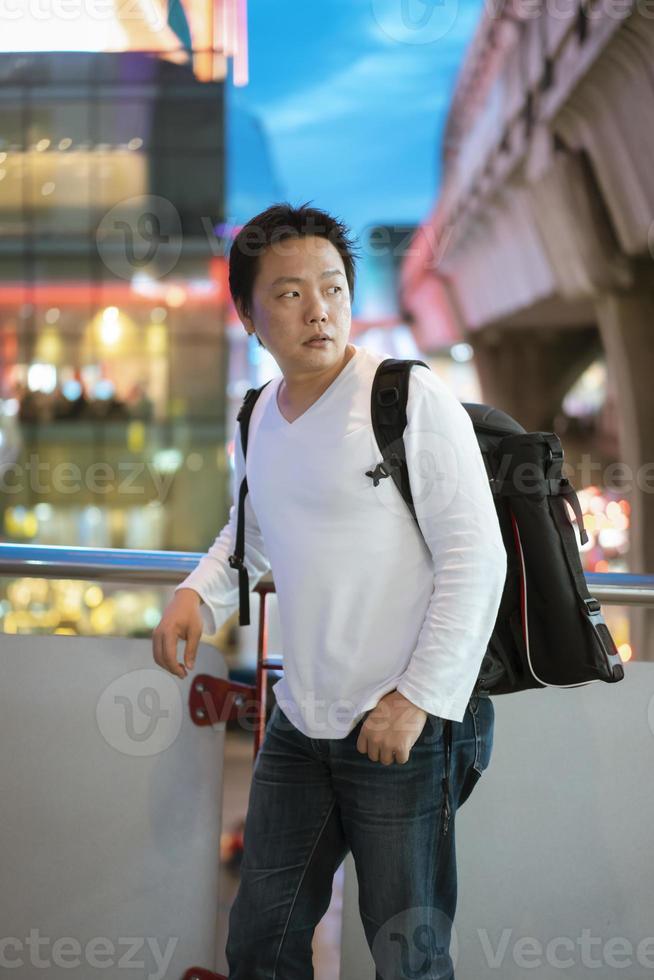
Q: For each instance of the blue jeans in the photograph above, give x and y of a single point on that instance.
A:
(312, 801)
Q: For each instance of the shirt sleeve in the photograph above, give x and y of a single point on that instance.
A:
(215, 581)
(456, 514)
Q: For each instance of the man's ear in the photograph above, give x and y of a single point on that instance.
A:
(245, 319)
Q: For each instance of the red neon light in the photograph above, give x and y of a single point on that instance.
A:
(93, 295)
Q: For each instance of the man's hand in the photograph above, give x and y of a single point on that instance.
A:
(391, 729)
(181, 620)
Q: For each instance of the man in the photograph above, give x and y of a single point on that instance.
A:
(384, 625)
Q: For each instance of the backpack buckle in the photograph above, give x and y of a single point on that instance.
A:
(384, 469)
(593, 610)
(554, 459)
(388, 396)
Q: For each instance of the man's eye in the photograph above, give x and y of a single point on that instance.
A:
(339, 288)
(289, 293)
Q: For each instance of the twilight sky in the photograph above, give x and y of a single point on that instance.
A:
(345, 106)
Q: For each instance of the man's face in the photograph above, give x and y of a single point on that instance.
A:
(301, 291)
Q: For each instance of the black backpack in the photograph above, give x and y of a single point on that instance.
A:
(549, 630)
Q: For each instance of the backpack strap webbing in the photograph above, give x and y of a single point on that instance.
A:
(236, 560)
(560, 490)
(390, 391)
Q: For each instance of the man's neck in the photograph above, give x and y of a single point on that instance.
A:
(299, 393)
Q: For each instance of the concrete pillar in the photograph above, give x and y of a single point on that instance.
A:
(626, 321)
(528, 372)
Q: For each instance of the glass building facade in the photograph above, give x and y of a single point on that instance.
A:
(113, 297)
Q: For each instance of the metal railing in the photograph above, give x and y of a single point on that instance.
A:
(109, 564)
(152, 568)
(170, 567)
(166, 567)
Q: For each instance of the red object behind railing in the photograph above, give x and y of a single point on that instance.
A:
(213, 700)
(197, 973)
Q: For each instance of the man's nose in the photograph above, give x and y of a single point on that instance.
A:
(317, 312)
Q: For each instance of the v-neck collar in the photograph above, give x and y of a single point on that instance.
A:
(318, 400)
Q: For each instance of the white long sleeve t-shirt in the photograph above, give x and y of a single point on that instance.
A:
(367, 604)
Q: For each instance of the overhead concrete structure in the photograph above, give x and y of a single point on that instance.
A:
(539, 250)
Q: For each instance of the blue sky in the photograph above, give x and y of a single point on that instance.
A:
(345, 106)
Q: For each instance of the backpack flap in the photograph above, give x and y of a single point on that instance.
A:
(565, 639)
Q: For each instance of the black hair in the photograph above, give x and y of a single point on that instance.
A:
(275, 224)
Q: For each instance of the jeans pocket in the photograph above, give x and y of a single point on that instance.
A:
(432, 730)
(484, 728)
(470, 780)
(481, 716)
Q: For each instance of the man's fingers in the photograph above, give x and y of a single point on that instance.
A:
(159, 651)
(180, 622)
(170, 654)
(191, 650)
(367, 747)
(379, 752)
(156, 655)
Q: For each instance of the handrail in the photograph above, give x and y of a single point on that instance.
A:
(121, 564)
(621, 588)
(171, 567)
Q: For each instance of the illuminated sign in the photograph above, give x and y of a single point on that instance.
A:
(218, 30)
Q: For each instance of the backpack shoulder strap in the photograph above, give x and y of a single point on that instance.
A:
(236, 560)
(390, 392)
(245, 413)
